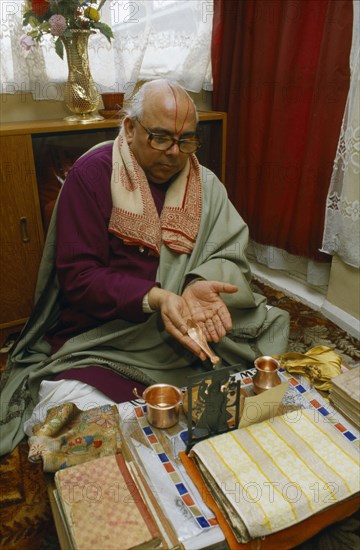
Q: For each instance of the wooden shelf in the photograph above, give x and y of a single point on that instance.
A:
(60, 125)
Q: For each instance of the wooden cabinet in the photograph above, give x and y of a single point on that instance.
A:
(21, 233)
(21, 225)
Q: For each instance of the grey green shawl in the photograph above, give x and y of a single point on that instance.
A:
(144, 351)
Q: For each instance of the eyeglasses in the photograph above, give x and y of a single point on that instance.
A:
(163, 142)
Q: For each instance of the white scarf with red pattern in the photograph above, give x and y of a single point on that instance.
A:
(134, 217)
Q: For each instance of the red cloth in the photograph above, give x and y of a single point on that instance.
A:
(282, 74)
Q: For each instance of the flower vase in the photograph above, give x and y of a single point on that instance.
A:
(80, 94)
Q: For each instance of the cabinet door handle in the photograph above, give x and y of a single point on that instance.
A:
(24, 230)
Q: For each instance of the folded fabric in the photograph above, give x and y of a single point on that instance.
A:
(104, 509)
(70, 436)
(319, 365)
(275, 474)
(292, 536)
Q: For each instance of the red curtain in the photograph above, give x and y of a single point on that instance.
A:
(281, 72)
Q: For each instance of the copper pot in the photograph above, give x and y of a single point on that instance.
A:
(163, 403)
(266, 375)
(112, 100)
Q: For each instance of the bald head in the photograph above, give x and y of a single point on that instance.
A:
(161, 108)
(169, 93)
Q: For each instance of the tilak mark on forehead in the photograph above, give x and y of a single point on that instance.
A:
(178, 131)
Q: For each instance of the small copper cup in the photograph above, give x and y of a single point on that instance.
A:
(163, 403)
(267, 375)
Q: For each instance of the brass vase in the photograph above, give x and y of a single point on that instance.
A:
(80, 94)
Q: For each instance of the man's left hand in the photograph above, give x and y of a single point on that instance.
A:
(207, 307)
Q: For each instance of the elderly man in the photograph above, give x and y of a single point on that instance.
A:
(146, 239)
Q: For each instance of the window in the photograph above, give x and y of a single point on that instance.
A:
(152, 38)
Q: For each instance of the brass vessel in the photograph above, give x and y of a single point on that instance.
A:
(80, 94)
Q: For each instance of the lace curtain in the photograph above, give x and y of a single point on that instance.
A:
(152, 38)
(342, 228)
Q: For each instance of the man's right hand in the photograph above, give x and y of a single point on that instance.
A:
(174, 313)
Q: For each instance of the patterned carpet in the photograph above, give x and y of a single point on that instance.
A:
(26, 521)
(309, 328)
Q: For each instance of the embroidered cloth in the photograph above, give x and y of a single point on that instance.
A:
(274, 474)
(69, 436)
(134, 217)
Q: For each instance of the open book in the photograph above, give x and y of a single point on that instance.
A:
(272, 475)
(153, 457)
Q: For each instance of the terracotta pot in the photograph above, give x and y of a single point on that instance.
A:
(112, 101)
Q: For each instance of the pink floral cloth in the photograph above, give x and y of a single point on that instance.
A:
(70, 436)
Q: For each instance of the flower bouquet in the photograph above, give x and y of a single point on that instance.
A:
(59, 18)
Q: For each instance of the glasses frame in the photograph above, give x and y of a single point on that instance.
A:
(178, 142)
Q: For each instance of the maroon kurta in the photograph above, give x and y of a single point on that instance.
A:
(100, 277)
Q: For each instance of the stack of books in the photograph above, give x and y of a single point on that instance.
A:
(344, 395)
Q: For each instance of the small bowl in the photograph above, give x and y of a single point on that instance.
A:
(112, 100)
(163, 403)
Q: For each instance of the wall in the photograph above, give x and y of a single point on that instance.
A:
(22, 106)
(344, 288)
